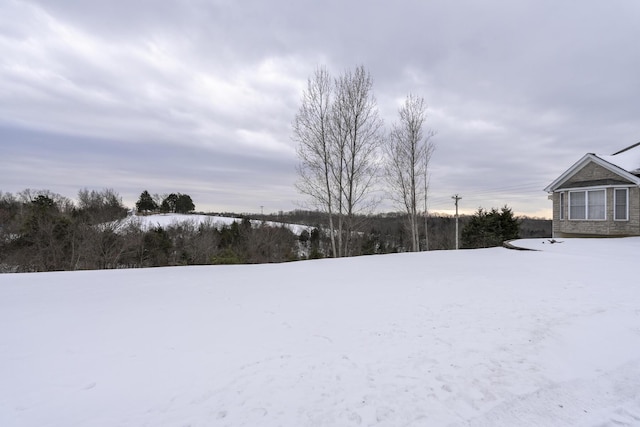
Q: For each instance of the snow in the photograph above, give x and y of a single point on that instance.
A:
(488, 337)
(627, 160)
(171, 219)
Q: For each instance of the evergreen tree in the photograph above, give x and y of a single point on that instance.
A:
(510, 226)
(177, 203)
(491, 228)
(146, 203)
(169, 203)
(184, 204)
(157, 246)
(45, 235)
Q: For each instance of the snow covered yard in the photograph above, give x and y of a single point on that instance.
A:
(490, 337)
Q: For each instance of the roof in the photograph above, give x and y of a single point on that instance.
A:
(625, 163)
(627, 159)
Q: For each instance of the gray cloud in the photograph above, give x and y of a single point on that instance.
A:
(198, 96)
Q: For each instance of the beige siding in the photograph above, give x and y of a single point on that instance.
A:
(608, 227)
(591, 172)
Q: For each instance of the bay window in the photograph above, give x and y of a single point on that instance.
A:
(596, 208)
(588, 204)
(577, 205)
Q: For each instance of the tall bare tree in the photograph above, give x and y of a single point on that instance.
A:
(312, 132)
(357, 132)
(337, 129)
(409, 151)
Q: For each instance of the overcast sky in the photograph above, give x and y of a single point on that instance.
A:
(198, 96)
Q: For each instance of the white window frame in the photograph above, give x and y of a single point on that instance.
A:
(562, 203)
(586, 204)
(615, 204)
(571, 212)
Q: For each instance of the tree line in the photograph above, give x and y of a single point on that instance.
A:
(170, 203)
(44, 231)
(387, 232)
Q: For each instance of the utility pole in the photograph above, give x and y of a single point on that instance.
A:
(426, 213)
(456, 198)
(426, 230)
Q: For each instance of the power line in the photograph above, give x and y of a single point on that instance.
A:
(512, 191)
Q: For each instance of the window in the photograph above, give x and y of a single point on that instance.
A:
(561, 205)
(621, 204)
(577, 205)
(596, 204)
(589, 204)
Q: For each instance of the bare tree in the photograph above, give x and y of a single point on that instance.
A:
(408, 154)
(312, 132)
(101, 206)
(338, 133)
(359, 136)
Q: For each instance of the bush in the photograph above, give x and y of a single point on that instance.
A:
(490, 228)
(227, 256)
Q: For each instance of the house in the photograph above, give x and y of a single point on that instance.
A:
(598, 196)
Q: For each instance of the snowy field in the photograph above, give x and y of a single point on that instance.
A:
(490, 337)
(166, 220)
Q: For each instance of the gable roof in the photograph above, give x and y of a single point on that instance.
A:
(625, 163)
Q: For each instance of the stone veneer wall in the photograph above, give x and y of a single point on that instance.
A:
(608, 227)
